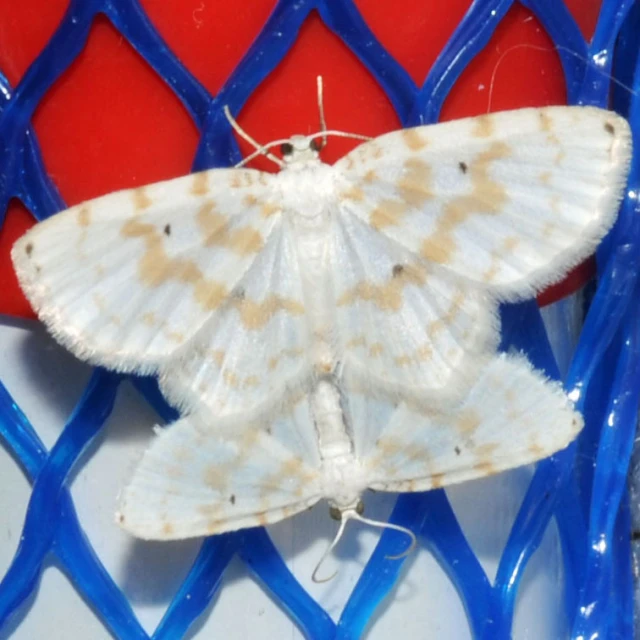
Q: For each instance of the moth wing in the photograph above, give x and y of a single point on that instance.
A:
(512, 416)
(201, 476)
(508, 201)
(256, 349)
(126, 279)
(403, 327)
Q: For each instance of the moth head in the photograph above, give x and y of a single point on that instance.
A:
(300, 149)
(336, 512)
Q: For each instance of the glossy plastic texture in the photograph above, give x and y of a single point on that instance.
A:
(603, 379)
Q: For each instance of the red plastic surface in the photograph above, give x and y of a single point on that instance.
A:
(110, 122)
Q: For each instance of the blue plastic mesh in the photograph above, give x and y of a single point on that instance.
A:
(588, 501)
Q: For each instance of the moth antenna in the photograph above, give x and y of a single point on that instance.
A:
(323, 122)
(324, 133)
(260, 149)
(388, 525)
(239, 130)
(352, 514)
(339, 134)
(345, 516)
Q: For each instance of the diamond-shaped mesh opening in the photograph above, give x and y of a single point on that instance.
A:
(587, 544)
(127, 98)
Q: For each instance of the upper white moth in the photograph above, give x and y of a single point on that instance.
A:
(331, 328)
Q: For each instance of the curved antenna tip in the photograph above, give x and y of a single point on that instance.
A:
(314, 576)
(410, 549)
(395, 527)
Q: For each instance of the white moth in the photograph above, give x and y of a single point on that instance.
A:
(331, 328)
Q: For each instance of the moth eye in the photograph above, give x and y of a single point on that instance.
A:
(315, 145)
(360, 507)
(286, 148)
(335, 513)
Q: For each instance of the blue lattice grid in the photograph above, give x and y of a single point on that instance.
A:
(588, 502)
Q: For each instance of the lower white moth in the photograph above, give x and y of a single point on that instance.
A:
(203, 475)
(331, 328)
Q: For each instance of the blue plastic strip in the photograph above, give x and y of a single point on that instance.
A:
(471, 36)
(263, 559)
(446, 540)
(597, 79)
(381, 572)
(573, 539)
(615, 448)
(199, 588)
(66, 539)
(24, 176)
(344, 19)
(44, 508)
(623, 618)
(625, 63)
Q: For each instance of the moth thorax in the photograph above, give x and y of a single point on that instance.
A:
(308, 193)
